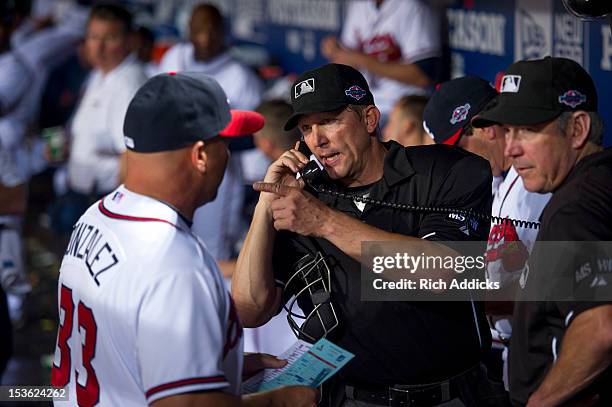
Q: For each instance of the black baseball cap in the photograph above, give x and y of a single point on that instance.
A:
(173, 110)
(538, 91)
(327, 88)
(453, 105)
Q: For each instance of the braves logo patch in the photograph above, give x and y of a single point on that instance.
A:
(460, 113)
(572, 98)
(355, 92)
(307, 86)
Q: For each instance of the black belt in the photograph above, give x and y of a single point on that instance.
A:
(409, 395)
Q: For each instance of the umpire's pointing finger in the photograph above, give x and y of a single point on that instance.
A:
(278, 189)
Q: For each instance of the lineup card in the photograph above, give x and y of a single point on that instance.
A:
(308, 365)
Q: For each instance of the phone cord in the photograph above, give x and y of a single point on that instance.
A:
(405, 207)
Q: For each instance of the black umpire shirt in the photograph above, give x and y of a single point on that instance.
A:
(402, 342)
(579, 210)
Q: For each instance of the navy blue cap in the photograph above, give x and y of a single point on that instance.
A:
(173, 110)
(453, 105)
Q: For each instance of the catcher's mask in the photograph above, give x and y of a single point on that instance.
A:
(311, 280)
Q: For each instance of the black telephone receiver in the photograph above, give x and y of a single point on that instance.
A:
(316, 179)
(313, 173)
(314, 169)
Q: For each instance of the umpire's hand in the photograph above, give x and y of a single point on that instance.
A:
(295, 210)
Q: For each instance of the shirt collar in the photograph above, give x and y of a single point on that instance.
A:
(211, 65)
(127, 61)
(131, 206)
(397, 167)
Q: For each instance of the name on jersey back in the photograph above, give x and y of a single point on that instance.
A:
(88, 245)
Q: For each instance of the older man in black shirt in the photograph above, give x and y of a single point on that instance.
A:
(561, 348)
(420, 353)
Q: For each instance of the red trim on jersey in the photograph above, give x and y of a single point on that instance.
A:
(185, 382)
(113, 215)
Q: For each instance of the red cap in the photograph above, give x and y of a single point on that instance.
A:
(243, 122)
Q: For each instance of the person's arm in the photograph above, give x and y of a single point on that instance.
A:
(408, 73)
(581, 360)
(300, 212)
(293, 396)
(227, 268)
(253, 288)
(254, 291)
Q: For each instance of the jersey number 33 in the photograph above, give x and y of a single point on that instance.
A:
(87, 388)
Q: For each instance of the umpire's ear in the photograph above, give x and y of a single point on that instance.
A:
(372, 118)
(198, 156)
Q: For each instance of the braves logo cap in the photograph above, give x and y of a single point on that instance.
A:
(327, 88)
(538, 91)
(174, 110)
(453, 105)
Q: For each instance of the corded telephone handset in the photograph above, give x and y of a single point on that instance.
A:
(316, 178)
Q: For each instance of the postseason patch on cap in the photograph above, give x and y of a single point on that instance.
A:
(510, 83)
(460, 113)
(306, 86)
(572, 98)
(355, 92)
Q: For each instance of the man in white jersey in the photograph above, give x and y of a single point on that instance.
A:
(219, 223)
(394, 43)
(145, 318)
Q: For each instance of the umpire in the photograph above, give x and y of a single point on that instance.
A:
(560, 352)
(421, 354)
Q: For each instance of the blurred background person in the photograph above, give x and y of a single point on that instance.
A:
(395, 43)
(273, 140)
(220, 223)
(207, 52)
(30, 47)
(96, 153)
(143, 43)
(405, 124)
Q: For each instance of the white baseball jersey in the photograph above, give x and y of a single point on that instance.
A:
(97, 127)
(512, 200)
(144, 313)
(398, 31)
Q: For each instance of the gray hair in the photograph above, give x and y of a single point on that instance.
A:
(596, 131)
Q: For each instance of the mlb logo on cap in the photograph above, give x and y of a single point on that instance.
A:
(307, 86)
(510, 83)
